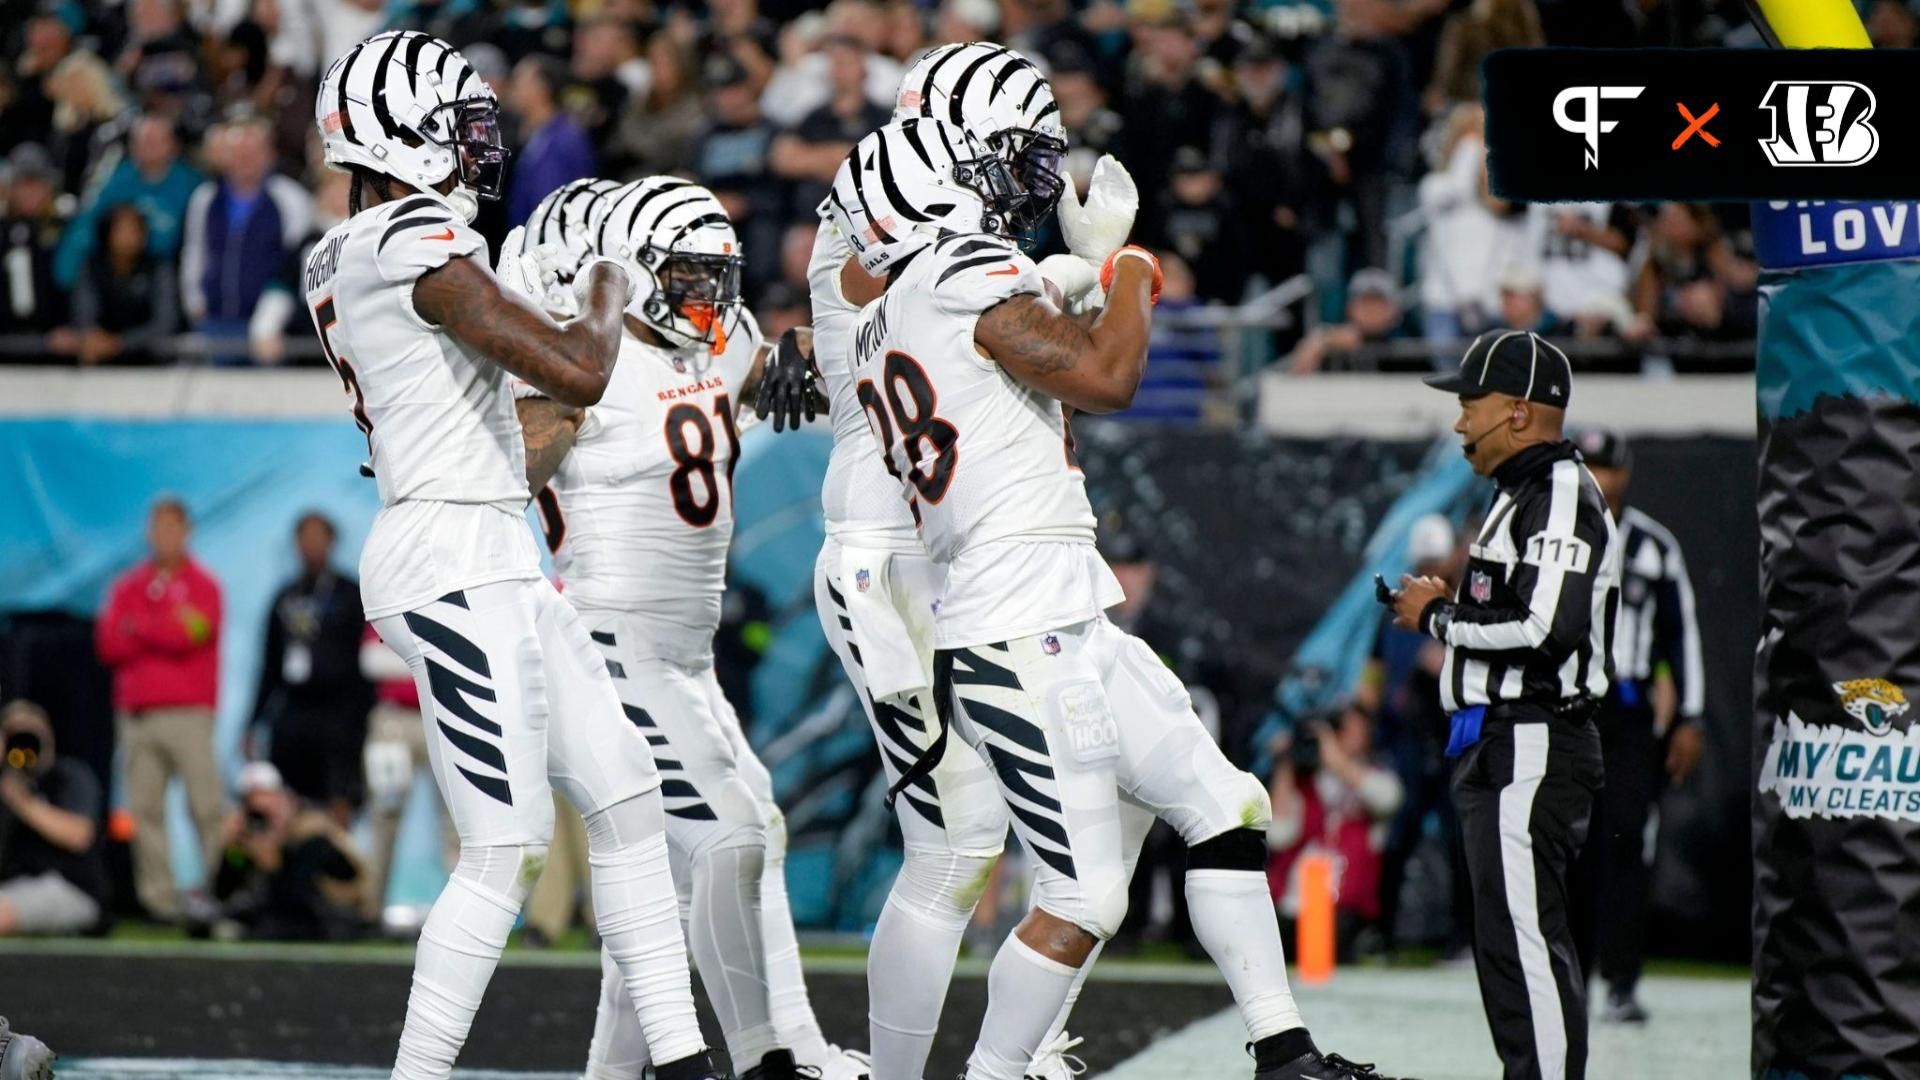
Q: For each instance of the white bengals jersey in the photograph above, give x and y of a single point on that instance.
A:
(640, 514)
(863, 506)
(440, 423)
(987, 462)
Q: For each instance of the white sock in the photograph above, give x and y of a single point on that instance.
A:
(787, 986)
(725, 937)
(460, 944)
(1073, 995)
(1025, 991)
(910, 961)
(1233, 917)
(639, 921)
(618, 1050)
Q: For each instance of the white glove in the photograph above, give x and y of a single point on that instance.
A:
(1098, 227)
(583, 276)
(1071, 274)
(520, 271)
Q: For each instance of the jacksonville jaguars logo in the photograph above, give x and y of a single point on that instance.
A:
(1873, 702)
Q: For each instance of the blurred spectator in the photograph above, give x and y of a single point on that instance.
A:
(239, 231)
(906, 36)
(150, 177)
(1092, 127)
(521, 29)
(32, 304)
(1892, 24)
(554, 150)
(1261, 137)
(289, 871)
(657, 131)
(736, 30)
(806, 81)
(783, 307)
(282, 306)
(28, 112)
(1183, 357)
(1580, 252)
(161, 63)
(127, 302)
(1468, 231)
(1399, 692)
(607, 65)
(160, 634)
(1046, 26)
(396, 755)
(1331, 797)
(1373, 317)
(964, 20)
(1198, 222)
(1360, 111)
(1466, 39)
(312, 701)
(1690, 283)
(810, 153)
(734, 160)
(1165, 104)
(1523, 304)
(52, 878)
(88, 116)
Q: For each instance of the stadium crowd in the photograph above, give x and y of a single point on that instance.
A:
(161, 174)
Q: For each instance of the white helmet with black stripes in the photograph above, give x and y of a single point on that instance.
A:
(911, 182)
(689, 259)
(562, 224)
(407, 105)
(1002, 99)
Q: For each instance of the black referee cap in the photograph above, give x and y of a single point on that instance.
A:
(1518, 363)
(1603, 448)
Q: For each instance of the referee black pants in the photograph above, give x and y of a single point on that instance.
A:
(1614, 874)
(1525, 792)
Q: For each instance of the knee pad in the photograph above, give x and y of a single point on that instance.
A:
(507, 870)
(1099, 910)
(1235, 849)
(940, 888)
(629, 821)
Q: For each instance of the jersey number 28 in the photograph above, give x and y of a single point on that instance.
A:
(906, 405)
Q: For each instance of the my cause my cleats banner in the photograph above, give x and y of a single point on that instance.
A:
(1702, 124)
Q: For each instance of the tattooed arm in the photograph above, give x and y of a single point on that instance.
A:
(1093, 368)
(570, 362)
(549, 429)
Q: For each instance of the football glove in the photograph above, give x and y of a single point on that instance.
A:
(1098, 227)
(790, 384)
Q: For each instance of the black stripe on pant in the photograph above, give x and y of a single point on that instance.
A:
(1524, 793)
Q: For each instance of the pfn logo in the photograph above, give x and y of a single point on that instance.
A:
(1819, 123)
(1588, 125)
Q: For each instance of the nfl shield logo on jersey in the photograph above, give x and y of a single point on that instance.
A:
(862, 580)
(680, 364)
(1050, 645)
(1480, 587)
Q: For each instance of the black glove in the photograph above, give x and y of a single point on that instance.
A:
(789, 387)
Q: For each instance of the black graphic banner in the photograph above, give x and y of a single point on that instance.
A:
(1703, 124)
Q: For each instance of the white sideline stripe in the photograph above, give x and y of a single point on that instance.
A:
(1401, 407)
(1523, 898)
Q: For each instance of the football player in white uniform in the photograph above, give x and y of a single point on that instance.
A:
(964, 369)
(513, 691)
(640, 516)
(875, 588)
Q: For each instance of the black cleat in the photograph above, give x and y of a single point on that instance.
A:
(1318, 1066)
(1622, 1008)
(779, 1065)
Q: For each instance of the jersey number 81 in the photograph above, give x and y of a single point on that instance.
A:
(913, 417)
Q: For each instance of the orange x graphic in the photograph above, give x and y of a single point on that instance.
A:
(1697, 125)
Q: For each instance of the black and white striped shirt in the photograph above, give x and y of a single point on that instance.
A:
(1532, 620)
(1656, 624)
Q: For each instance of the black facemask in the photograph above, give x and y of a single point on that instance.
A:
(1035, 162)
(471, 129)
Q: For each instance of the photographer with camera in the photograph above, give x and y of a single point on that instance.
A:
(52, 880)
(1331, 796)
(287, 872)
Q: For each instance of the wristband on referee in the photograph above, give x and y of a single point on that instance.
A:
(1436, 616)
(1137, 252)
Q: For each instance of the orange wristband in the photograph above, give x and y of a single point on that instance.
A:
(1106, 271)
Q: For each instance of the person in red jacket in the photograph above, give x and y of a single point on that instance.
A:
(160, 634)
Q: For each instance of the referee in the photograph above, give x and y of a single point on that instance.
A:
(1528, 657)
(1649, 730)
